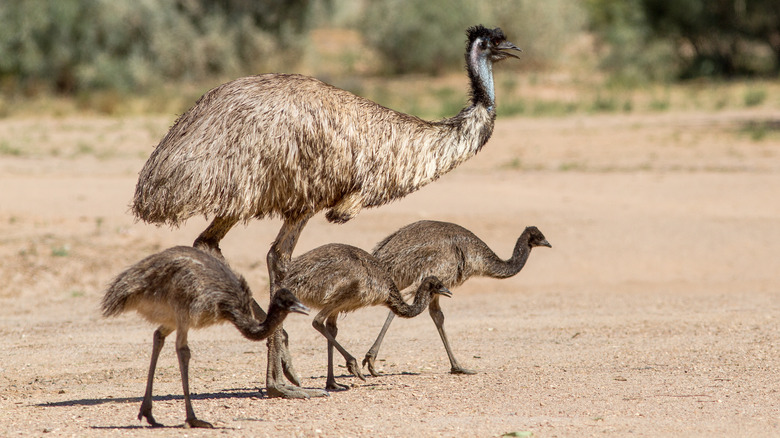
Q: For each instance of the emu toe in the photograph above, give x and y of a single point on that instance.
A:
(369, 362)
(461, 370)
(335, 386)
(293, 392)
(195, 423)
(147, 413)
(353, 368)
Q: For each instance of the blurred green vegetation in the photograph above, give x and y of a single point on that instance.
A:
(683, 39)
(105, 54)
(72, 46)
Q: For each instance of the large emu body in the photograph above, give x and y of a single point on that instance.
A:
(340, 278)
(291, 146)
(453, 254)
(182, 288)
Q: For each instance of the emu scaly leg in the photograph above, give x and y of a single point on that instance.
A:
(183, 353)
(208, 241)
(329, 330)
(330, 381)
(286, 359)
(438, 318)
(279, 360)
(374, 350)
(158, 340)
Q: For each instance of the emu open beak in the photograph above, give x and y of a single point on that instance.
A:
(506, 45)
(444, 291)
(299, 308)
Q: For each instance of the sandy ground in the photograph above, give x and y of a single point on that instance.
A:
(656, 312)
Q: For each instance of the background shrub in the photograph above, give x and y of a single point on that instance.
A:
(72, 45)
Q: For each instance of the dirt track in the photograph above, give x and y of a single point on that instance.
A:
(656, 312)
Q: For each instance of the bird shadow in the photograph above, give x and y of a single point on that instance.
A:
(143, 426)
(367, 375)
(232, 393)
(399, 373)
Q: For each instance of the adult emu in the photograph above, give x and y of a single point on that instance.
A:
(291, 146)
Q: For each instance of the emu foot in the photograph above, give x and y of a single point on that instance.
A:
(146, 412)
(369, 361)
(460, 370)
(293, 392)
(353, 368)
(287, 366)
(195, 423)
(335, 386)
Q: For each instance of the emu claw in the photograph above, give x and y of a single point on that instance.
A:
(353, 368)
(293, 392)
(461, 370)
(335, 386)
(147, 413)
(369, 361)
(195, 423)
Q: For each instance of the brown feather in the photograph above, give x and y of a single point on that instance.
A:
(258, 146)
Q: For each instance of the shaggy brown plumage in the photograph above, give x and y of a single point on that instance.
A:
(291, 146)
(451, 253)
(340, 278)
(182, 288)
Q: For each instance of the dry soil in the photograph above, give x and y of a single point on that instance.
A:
(655, 313)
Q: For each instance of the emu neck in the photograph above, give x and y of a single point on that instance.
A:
(257, 331)
(498, 268)
(482, 86)
(401, 308)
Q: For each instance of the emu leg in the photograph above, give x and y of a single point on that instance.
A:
(278, 258)
(330, 382)
(209, 239)
(374, 350)
(280, 254)
(286, 359)
(438, 318)
(329, 330)
(183, 352)
(158, 340)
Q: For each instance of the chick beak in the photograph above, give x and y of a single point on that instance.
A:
(299, 308)
(444, 291)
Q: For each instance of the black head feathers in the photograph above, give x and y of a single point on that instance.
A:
(494, 35)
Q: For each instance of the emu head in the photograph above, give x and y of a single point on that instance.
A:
(490, 43)
(285, 300)
(536, 238)
(435, 286)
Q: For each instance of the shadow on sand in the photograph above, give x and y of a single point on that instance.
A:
(224, 394)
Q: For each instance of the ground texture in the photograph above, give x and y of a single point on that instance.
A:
(656, 312)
